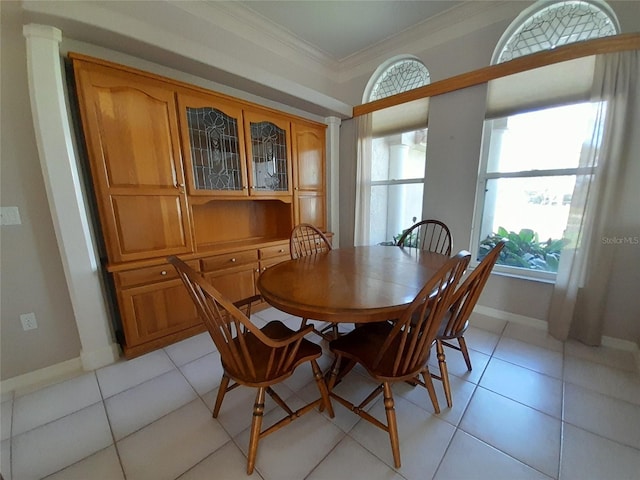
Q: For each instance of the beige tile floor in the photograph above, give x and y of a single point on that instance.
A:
(531, 408)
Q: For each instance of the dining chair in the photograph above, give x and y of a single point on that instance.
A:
(432, 235)
(251, 356)
(307, 240)
(456, 319)
(398, 351)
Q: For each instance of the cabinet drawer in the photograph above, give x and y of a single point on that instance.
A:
(229, 260)
(264, 264)
(274, 251)
(150, 274)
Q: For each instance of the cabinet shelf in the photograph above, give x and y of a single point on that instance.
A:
(226, 221)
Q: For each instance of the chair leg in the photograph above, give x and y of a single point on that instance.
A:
(428, 384)
(322, 386)
(465, 352)
(221, 392)
(334, 329)
(333, 376)
(444, 374)
(391, 423)
(256, 425)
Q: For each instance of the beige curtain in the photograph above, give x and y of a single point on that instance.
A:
(581, 289)
(363, 179)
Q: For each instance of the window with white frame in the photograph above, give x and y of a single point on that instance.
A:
(538, 125)
(397, 184)
(398, 160)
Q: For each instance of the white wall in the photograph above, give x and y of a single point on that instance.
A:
(32, 275)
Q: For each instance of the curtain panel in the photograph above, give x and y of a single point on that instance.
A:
(582, 285)
(363, 179)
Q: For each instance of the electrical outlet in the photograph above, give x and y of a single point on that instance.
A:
(9, 216)
(28, 321)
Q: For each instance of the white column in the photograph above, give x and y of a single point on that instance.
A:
(396, 201)
(333, 177)
(62, 183)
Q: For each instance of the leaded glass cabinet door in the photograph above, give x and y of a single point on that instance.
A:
(213, 143)
(269, 153)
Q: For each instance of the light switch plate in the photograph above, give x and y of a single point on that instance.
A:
(10, 216)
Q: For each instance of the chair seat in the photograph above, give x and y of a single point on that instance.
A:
(260, 353)
(363, 345)
(440, 335)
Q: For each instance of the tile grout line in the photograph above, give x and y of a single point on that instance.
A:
(201, 397)
(113, 437)
(477, 386)
(562, 411)
(110, 430)
(13, 399)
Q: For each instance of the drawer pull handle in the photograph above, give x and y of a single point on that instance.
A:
(281, 250)
(233, 260)
(163, 273)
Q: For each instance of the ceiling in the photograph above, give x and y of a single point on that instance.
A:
(341, 28)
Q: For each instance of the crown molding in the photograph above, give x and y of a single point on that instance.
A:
(446, 26)
(257, 29)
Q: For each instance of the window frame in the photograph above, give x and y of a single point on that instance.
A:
(515, 29)
(480, 197)
(406, 181)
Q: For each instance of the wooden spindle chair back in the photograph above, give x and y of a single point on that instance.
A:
(399, 351)
(229, 328)
(407, 346)
(251, 356)
(466, 295)
(306, 239)
(431, 235)
(456, 318)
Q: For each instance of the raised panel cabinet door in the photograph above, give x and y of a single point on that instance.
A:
(268, 154)
(131, 130)
(213, 143)
(310, 208)
(309, 167)
(156, 310)
(235, 284)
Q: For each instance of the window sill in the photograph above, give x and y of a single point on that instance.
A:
(502, 271)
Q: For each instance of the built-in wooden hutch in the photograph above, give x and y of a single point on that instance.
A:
(181, 170)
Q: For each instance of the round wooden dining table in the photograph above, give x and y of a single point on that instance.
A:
(357, 284)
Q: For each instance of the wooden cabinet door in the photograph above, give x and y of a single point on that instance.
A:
(153, 311)
(309, 198)
(213, 143)
(131, 131)
(268, 154)
(235, 283)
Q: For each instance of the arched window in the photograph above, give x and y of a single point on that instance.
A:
(548, 25)
(396, 76)
(392, 174)
(536, 127)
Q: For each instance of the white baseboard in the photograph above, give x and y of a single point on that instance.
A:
(620, 344)
(86, 362)
(610, 342)
(511, 317)
(94, 359)
(42, 377)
